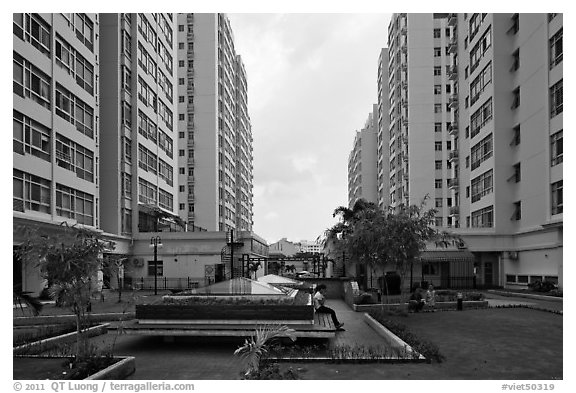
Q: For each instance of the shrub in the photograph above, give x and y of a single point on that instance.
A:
(542, 286)
(271, 370)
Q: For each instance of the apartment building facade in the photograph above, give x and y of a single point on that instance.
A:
(383, 135)
(56, 132)
(214, 131)
(138, 121)
(98, 122)
(476, 124)
(362, 162)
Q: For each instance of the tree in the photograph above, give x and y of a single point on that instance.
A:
(387, 238)
(68, 260)
(118, 267)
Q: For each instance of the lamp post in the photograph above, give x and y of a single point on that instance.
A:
(155, 242)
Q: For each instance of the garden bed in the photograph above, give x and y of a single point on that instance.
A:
(58, 367)
(220, 308)
(45, 344)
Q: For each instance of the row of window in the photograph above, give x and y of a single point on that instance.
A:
(480, 117)
(482, 185)
(75, 111)
(480, 49)
(83, 27)
(75, 64)
(30, 137)
(526, 279)
(148, 193)
(32, 192)
(74, 157)
(33, 29)
(30, 82)
(480, 82)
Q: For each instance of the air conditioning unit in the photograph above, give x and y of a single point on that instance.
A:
(513, 255)
(138, 262)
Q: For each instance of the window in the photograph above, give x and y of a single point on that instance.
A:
(481, 152)
(436, 33)
(127, 150)
(84, 28)
(181, 206)
(180, 63)
(467, 161)
(517, 215)
(515, 60)
(181, 28)
(165, 172)
(515, 24)
(30, 137)
(165, 199)
(480, 118)
(74, 157)
(480, 49)
(474, 25)
(483, 218)
(516, 98)
(181, 188)
(126, 114)
(30, 82)
(33, 29)
(438, 221)
(516, 173)
(556, 50)
(156, 268)
(557, 197)
(437, 71)
(437, 127)
(515, 136)
(482, 185)
(127, 185)
(438, 146)
(511, 278)
(556, 148)
(180, 99)
(146, 127)
(437, 52)
(75, 111)
(556, 99)
(448, 145)
(182, 171)
(30, 192)
(437, 108)
(147, 160)
(438, 164)
(74, 204)
(146, 192)
(480, 82)
(438, 183)
(438, 202)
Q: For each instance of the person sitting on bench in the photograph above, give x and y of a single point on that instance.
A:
(319, 300)
(416, 302)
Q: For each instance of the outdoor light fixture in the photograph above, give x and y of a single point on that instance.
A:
(155, 242)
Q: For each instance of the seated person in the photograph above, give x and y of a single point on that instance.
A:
(319, 300)
(416, 302)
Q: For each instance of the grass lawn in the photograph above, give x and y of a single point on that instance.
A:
(478, 344)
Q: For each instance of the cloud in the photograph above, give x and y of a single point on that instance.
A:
(311, 85)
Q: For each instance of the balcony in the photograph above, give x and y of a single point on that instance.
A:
(453, 100)
(453, 46)
(454, 210)
(453, 155)
(453, 183)
(452, 19)
(453, 72)
(453, 129)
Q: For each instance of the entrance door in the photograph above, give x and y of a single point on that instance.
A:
(488, 273)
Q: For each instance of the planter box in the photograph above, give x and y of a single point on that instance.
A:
(122, 368)
(52, 342)
(189, 314)
(54, 319)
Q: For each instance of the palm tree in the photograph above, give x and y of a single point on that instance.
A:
(23, 299)
(256, 347)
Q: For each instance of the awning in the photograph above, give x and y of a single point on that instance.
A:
(447, 255)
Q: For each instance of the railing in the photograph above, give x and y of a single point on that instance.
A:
(167, 283)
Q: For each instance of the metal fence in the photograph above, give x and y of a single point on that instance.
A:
(463, 282)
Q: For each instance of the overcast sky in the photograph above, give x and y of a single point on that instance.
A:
(311, 85)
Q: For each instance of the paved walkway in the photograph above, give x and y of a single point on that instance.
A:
(357, 331)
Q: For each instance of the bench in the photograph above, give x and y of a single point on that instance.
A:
(323, 327)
